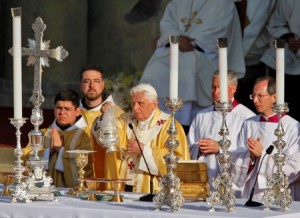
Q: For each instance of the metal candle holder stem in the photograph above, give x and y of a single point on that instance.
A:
(223, 193)
(20, 194)
(170, 193)
(278, 192)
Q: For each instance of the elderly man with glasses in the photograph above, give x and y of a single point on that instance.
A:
(256, 135)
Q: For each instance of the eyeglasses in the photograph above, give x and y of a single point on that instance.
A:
(66, 109)
(259, 96)
(96, 82)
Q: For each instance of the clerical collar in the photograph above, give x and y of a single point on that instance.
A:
(272, 119)
(63, 128)
(104, 97)
(234, 103)
(143, 125)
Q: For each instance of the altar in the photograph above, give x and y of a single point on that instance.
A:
(70, 206)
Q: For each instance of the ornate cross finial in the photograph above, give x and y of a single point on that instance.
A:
(38, 54)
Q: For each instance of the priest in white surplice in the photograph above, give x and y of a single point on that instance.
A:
(285, 24)
(199, 23)
(256, 135)
(256, 40)
(203, 136)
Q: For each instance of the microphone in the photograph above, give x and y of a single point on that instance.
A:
(251, 203)
(150, 196)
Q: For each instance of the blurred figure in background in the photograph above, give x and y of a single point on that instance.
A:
(198, 23)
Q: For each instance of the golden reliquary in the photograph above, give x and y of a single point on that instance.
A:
(193, 179)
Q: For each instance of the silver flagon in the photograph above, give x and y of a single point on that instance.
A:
(106, 131)
(278, 192)
(170, 193)
(223, 193)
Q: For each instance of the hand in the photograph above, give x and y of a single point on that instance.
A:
(255, 147)
(106, 106)
(208, 146)
(294, 44)
(57, 140)
(133, 147)
(185, 44)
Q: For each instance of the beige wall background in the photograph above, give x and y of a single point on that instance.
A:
(92, 31)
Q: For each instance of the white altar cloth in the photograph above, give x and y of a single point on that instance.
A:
(66, 206)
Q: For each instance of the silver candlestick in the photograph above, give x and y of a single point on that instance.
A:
(223, 193)
(170, 193)
(38, 183)
(278, 192)
(20, 193)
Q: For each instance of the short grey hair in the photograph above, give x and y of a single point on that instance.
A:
(148, 90)
(231, 75)
(271, 88)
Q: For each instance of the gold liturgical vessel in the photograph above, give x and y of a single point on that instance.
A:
(6, 180)
(81, 160)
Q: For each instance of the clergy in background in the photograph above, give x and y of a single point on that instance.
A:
(198, 23)
(204, 135)
(96, 99)
(256, 135)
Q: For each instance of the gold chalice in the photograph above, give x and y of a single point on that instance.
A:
(117, 185)
(81, 160)
(92, 185)
(6, 180)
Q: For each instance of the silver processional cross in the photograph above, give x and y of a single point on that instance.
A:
(37, 53)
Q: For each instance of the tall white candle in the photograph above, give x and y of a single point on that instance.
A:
(174, 49)
(17, 62)
(222, 43)
(279, 43)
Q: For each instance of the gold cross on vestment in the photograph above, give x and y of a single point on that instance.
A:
(188, 21)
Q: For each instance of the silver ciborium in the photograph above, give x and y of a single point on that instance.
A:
(107, 131)
(278, 192)
(223, 193)
(170, 193)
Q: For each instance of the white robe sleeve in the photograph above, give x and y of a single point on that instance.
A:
(148, 154)
(46, 156)
(59, 164)
(293, 167)
(192, 139)
(240, 160)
